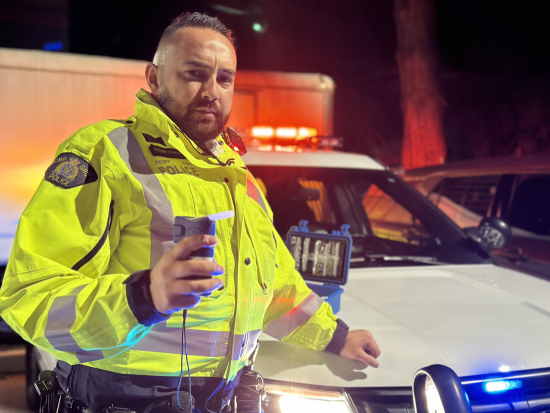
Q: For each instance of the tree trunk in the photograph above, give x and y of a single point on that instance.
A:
(421, 100)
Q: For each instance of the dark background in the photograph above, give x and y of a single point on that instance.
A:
(494, 58)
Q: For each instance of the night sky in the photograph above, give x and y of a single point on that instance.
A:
(494, 61)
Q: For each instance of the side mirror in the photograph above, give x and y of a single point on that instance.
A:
(437, 388)
(493, 233)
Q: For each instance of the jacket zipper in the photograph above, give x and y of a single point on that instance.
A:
(101, 241)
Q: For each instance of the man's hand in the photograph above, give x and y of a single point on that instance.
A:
(360, 346)
(171, 288)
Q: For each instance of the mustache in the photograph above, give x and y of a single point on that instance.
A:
(213, 107)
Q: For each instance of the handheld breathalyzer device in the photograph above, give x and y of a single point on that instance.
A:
(185, 227)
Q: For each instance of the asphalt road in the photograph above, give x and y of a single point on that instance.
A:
(12, 394)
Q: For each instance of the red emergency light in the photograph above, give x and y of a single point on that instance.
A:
(283, 132)
(289, 138)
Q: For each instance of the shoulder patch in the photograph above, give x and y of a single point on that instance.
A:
(69, 170)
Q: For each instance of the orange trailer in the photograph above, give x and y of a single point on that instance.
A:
(47, 96)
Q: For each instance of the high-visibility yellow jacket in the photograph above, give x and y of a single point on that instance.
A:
(104, 213)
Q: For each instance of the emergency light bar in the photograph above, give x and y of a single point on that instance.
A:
(289, 139)
(284, 132)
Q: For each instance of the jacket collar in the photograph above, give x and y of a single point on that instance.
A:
(148, 109)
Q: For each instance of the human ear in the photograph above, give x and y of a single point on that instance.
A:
(152, 77)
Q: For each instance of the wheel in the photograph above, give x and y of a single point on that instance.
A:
(32, 370)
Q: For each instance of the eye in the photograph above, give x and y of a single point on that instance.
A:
(225, 80)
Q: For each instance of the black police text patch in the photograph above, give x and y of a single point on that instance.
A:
(69, 171)
(166, 152)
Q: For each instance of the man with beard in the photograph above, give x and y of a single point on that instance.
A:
(96, 280)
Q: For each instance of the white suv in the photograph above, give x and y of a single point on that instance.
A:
(428, 292)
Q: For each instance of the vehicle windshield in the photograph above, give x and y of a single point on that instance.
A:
(390, 222)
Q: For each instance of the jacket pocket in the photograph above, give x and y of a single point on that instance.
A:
(95, 250)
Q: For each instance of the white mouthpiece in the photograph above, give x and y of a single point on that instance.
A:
(221, 215)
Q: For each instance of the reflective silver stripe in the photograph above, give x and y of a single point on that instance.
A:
(61, 317)
(162, 339)
(244, 344)
(289, 322)
(161, 208)
(253, 192)
(202, 343)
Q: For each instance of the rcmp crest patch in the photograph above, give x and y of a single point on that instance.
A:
(69, 170)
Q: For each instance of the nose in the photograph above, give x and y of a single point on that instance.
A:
(210, 90)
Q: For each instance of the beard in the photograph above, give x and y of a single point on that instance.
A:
(195, 126)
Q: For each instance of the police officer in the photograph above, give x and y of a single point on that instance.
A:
(96, 280)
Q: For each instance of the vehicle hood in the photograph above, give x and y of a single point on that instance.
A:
(476, 319)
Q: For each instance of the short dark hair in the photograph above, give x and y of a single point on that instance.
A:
(198, 20)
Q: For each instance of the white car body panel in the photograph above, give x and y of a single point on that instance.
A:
(475, 319)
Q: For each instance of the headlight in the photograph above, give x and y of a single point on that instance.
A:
(285, 399)
(437, 389)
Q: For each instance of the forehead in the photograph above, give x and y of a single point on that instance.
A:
(191, 44)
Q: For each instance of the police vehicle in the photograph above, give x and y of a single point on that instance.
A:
(471, 335)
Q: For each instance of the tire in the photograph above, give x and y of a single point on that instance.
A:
(32, 370)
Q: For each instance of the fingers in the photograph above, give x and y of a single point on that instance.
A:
(178, 283)
(171, 295)
(201, 268)
(187, 245)
(180, 302)
(196, 287)
(361, 346)
(373, 349)
(360, 355)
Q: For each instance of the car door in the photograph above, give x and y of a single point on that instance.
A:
(527, 211)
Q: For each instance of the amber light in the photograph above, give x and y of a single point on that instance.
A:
(262, 132)
(307, 132)
(283, 132)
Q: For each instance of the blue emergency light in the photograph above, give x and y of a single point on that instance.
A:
(501, 386)
(322, 259)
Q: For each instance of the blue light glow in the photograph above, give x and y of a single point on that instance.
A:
(500, 386)
(53, 46)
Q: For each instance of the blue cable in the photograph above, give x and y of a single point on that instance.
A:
(184, 346)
